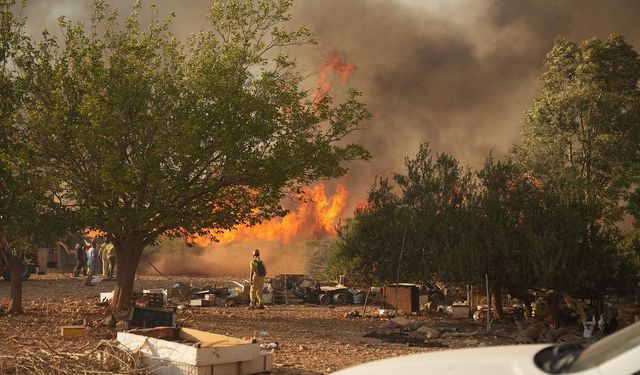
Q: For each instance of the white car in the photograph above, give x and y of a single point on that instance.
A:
(617, 354)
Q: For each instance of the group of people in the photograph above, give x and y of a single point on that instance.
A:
(89, 257)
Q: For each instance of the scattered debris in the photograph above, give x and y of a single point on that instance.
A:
(352, 314)
(403, 338)
(104, 358)
(430, 333)
(554, 335)
(530, 335)
(271, 345)
(106, 297)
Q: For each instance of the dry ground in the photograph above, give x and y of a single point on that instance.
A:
(313, 339)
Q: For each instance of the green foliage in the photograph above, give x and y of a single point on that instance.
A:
(628, 275)
(582, 133)
(369, 244)
(29, 213)
(458, 226)
(435, 194)
(151, 136)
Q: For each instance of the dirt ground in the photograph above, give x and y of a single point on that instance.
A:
(312, 339)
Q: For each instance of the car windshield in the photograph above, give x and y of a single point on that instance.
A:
(608, 348)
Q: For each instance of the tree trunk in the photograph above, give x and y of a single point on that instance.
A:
(128, 255)
(554, 308)
(15, 297)
(498, 312)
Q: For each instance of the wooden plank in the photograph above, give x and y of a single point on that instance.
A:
(208, 339)
(73, 331)
(158, 332)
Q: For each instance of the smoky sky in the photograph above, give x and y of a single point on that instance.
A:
(455, 73)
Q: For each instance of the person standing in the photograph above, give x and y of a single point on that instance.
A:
(111, 258)
(80, 260)
(92, 263)
(105, 259)
(257, 273)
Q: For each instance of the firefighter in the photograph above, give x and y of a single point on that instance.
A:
(110, 252)
(256, 274)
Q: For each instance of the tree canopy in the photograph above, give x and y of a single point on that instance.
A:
(582, 133)
(151, 136)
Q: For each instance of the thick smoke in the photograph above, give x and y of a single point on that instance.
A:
(458, 74)
(174, 258)
(455, 73)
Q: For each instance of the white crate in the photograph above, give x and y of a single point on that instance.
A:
(106, 297)
(259, 365)
(205, 350)
(165, 294)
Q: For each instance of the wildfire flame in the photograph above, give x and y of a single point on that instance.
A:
(314, 218)
(94, 233)
(335, 62)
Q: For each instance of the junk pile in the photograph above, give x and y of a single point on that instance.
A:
(282, 289)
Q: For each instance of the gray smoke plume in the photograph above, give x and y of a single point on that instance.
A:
(455, 73)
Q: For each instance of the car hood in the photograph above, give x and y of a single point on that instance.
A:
(496, 360)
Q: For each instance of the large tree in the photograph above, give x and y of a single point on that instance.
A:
(151, 136)
(583, 132)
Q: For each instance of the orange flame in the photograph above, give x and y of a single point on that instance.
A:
(94, 233)
(315, 218)
(337, 63)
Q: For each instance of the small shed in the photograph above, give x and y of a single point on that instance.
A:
(402, 297)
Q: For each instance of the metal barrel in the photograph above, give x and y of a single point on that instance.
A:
(339, 299)
(324, 299)
(358, 299)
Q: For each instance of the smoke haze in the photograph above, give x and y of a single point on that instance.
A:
(455, 73)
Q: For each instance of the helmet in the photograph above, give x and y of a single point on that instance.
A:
(256, 253)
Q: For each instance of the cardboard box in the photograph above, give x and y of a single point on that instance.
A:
(201, 302)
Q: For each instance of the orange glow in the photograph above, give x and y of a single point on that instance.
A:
(327, 212)
(364, 205)
(337, 63)
(315, 217)
(94, 233)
